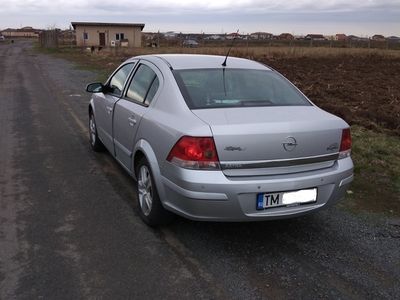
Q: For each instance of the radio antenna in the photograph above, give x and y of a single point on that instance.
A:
(227, 54)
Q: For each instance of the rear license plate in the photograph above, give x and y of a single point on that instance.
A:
(269, 200)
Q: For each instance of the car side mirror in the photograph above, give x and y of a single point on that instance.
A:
(96, 87)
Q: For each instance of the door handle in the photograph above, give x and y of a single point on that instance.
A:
(109, 109)
(132, 121)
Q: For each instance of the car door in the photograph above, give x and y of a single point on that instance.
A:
(104, 104)
(129, 110)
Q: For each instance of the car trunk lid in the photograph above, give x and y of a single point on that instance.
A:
(254, 141)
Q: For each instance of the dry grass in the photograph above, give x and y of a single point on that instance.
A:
(256, 52)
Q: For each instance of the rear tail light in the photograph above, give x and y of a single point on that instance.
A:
(345, 144)
(197, 153)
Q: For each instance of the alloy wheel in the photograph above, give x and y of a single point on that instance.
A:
(92, 129)
(145, 190)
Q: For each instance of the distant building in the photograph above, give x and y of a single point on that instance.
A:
(393, 38)
(190, 43)
(357, 38)
(233, 35)
(315, 37)
(170, 35)
(214, 37)
(108, 34)
(261, 36)
(28, 32)
(353, 38)
(286, 36)
(341, 37)
(378, 37)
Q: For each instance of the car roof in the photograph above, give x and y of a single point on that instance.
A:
(200, 61)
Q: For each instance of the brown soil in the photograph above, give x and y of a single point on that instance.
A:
(363, 90)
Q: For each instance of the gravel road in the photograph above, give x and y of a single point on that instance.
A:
(69, 227)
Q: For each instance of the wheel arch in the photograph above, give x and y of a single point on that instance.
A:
(91, 107)
(144, 149)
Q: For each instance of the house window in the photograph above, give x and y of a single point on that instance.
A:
(85, 36)
(119, 36)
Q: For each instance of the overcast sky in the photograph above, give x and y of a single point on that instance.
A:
(360, 17)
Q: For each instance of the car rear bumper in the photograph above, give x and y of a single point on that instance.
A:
(211, 196)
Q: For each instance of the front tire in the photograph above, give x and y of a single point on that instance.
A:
(151, 210)
(95, 142)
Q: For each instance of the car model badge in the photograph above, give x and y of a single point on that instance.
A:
(289, 144)
(332, 147)
(232, 148)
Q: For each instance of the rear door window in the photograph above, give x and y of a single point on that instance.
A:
(143, 86)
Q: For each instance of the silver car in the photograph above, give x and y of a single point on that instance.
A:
(219, 141)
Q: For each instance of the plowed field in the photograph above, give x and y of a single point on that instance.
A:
(363, 90)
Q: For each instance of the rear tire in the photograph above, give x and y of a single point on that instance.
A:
(151, 210)
(95, 142)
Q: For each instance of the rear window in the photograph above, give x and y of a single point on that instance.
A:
(214, 88)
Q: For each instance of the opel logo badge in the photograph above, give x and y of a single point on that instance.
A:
(289, 144)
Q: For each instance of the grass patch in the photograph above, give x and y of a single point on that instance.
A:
(376, 186)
